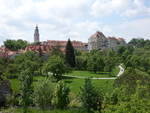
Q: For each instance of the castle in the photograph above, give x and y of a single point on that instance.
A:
(99, 41)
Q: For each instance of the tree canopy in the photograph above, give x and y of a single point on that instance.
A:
(15, 45)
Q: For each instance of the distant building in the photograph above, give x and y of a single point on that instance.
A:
(99, 41)
(112, 42)
(6, 53)
(36, 35)
(62, 44)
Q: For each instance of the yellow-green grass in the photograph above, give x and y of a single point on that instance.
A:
(33, 110)
(89, 74)
(74, 83)
(114, 73)
(102, 84)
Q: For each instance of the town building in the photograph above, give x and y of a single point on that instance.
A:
(99, 41)
(47, 46)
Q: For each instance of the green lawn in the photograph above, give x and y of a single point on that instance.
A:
(33, 110)
(73, 83)
(15, 85)
(105, 85)
(114, 72)
(89, 74)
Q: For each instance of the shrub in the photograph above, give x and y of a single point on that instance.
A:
(61, 98)
(43, 94)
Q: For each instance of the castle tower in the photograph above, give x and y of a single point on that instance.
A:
(36, 35)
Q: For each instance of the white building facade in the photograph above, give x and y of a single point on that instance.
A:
(99, 41)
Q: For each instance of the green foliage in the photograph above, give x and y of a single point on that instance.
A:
(61, 96)
(29, 60)
(90, 98)
(26, 80)
(129, 79)
(34, 110)
(130, 94)
(70, 54)
(56, 66)
(140, 42)
(43, 94)
(57, 52)
(95, 63)
(81, 62)
(15, 45)
(3, 65)
(138, 102)
(11, 71)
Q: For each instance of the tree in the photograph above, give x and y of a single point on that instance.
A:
(95, 63)
(29, 60)
(90, 98)
(43, 93)
(15, 45)
(56, 51)
(70, 54)
(3, 65)
(61, 95)
(56, 66)
(26, 80)
(81, 62)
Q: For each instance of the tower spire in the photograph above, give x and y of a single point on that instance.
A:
(36, 34)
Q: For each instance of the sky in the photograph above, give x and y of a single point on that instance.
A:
(74, 19)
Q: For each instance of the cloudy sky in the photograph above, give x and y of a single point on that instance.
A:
(75, 19)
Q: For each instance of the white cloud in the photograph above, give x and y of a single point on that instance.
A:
(132, 29)
(128, 8)
(107, 7)
(138, 8)
(61, 19)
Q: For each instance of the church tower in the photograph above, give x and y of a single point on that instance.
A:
(36, 35)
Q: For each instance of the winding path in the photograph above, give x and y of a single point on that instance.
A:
(119, 74)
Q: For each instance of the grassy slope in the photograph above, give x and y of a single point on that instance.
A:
(76, 83)
(115, 71)
(105, 85)
(89, 74)
(73, 83)
(11, 110)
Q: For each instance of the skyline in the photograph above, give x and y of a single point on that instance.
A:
(75, 19)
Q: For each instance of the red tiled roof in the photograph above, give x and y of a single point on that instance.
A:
(97, 34)
(47, 46)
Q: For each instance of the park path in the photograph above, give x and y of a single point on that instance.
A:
(119, 74)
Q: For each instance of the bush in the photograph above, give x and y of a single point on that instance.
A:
(61, 98)
(43, 94)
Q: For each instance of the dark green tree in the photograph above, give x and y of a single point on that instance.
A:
(70, 54)
(91, 99)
